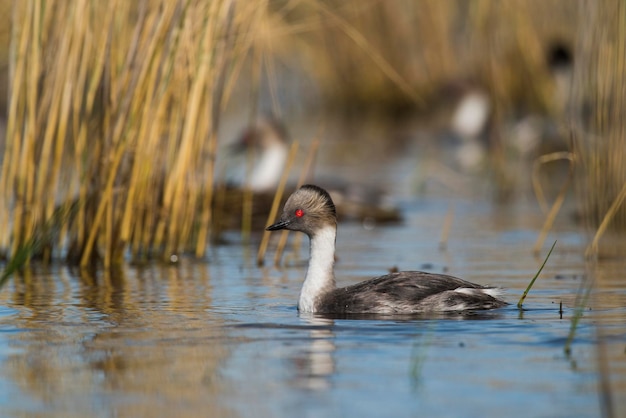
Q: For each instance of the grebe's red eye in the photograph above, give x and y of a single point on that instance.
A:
(299, 213)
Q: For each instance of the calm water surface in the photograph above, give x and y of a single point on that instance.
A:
(221, 337)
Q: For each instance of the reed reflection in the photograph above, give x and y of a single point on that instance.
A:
(143, 340)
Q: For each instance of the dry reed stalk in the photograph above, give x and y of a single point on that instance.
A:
(107, 196)
(276, 202)
(447, 226)
(558, 202)
(218, 207)
(556, 206)
(592, 249)
(304, 174)
(544, 159)
(247, 204)
(248, 193)
(23, 172)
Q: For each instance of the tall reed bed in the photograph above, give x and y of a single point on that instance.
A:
(392, 54)
(598, 119)
(113, 113)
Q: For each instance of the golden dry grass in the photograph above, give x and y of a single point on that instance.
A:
(114, 109)
(598, 122)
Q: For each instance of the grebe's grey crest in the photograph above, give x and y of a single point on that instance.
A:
(310, 209)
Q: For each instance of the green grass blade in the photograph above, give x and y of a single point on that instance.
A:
(521, 301)
(39, 238)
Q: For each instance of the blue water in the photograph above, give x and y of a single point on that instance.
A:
(222, 337)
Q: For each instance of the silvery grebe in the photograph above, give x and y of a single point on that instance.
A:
(269, 137)
(310, 209)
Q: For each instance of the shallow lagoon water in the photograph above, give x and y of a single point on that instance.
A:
(222, 337)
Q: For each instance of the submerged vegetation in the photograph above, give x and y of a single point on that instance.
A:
(114, 107)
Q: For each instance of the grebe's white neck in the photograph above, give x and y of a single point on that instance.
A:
(269, 168)
(320, 276)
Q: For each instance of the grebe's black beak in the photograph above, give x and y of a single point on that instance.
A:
(278, 225)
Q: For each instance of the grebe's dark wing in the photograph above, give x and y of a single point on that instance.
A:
(412, 292)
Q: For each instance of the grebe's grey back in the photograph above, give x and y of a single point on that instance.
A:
(310, 209)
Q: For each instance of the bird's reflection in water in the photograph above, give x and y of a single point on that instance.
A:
(315, 364)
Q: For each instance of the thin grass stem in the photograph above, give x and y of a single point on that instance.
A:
(276, 202)
(304, 174)
(532, 282)
(556, 207)
(592, 249)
